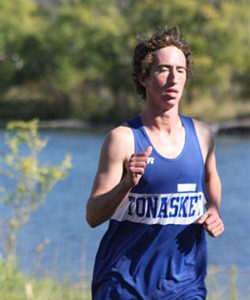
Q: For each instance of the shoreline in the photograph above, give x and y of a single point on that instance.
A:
(237, 126)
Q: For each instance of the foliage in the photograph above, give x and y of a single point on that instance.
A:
(222, 284)
(30, 180)
(79, 52)
(17, 286)
(233, 288)
(13, 39)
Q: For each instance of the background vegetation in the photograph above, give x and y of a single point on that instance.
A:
(17, 286)
(25, 181)
(72, 58)
(25, 184)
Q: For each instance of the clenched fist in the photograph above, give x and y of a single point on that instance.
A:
(212, 222)
(136, 166)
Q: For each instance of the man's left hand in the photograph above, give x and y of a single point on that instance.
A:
(212, 222)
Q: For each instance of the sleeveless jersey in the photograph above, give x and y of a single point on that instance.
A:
(153, 248)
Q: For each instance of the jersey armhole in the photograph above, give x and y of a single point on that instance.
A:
(203, 161)
(133, 125)
(197, 141)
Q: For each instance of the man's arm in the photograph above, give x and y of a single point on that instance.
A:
(117, 173)
(211, 219)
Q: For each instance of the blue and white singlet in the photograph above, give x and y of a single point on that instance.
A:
(153, 248)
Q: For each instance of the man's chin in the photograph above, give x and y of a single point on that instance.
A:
(170, 100)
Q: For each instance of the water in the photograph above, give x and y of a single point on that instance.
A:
(73, 244)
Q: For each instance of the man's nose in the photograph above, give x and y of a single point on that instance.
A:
(172, 78)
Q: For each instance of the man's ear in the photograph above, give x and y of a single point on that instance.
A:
(141, 79)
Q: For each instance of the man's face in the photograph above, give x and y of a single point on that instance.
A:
(165, 83)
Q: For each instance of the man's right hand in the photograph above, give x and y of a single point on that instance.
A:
(136, 167)
(111, 185)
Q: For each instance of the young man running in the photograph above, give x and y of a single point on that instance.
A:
(156, 173)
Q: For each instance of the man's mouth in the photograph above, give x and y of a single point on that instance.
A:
(171, 91)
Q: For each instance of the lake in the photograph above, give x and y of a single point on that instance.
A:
(72, 244)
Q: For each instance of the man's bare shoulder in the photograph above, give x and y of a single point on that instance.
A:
(206, 137)
(121, 134)
(120, 141)
(204, 129)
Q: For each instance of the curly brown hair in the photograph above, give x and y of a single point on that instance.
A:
(144, 54)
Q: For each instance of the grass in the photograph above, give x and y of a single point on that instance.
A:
(17, 286)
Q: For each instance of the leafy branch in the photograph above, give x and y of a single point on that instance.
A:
(30, 180)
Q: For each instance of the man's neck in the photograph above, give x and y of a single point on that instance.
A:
(168, 121)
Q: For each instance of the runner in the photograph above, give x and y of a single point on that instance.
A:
(158, 185)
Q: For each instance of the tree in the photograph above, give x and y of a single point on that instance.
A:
(214, 31)
(20, 21)
(31, 181)
(77, 53)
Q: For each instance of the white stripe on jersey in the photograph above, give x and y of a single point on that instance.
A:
(178, 208)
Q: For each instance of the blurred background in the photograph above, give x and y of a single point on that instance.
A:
(67, 63)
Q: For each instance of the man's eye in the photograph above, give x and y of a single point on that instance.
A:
(181, 70)
(164, 69)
